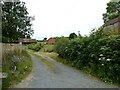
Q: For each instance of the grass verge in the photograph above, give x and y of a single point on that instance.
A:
(17, 67)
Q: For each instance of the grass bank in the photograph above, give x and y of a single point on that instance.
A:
(16, 64)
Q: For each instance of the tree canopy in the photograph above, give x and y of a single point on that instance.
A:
(16, 22)
(72, 36)
(113, 11)
(45, 39)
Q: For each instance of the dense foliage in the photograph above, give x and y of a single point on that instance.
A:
(72, 36)
(98, 53)
(47, 48)
(16, 22)
(35, 47)
(60, 45)
(113, 11)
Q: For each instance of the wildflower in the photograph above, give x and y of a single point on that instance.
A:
(103, 58)
(99, 58)
(101, 55)
(108, 59)
(102, 64)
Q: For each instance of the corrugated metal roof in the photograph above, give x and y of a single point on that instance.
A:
(27, 40)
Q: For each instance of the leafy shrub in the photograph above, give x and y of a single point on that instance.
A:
(60, 45)
(35, 47)
(98, 53)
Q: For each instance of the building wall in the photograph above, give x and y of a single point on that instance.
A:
(113, 25)
(51, 41)
(27, 41)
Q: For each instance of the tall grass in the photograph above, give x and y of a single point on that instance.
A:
(0, 65)
(10, 49)
(16, 62)
(0, 55)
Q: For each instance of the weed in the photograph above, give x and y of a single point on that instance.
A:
(15, 59)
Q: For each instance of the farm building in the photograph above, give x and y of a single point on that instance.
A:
(51, 41)
(27, 40)
(113, 25)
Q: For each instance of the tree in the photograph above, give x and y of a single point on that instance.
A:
(45, 39)
(113, 11)
(16, 22)
(72, 36)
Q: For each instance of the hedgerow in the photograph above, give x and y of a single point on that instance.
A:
(98, 53)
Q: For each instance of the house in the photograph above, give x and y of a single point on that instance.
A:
(27, 40)
(51, 41)
(113, 25)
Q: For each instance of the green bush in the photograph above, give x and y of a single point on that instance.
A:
(35, 47)
(60, 45)
(98, 53)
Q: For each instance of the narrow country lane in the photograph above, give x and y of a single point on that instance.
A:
(62, 77)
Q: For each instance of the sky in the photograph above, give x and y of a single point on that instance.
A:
(62, 17)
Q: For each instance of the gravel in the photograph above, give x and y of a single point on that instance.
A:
(63, 77)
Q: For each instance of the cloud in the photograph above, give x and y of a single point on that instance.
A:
(62, 17)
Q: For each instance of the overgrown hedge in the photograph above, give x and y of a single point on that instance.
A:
(98, 53)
